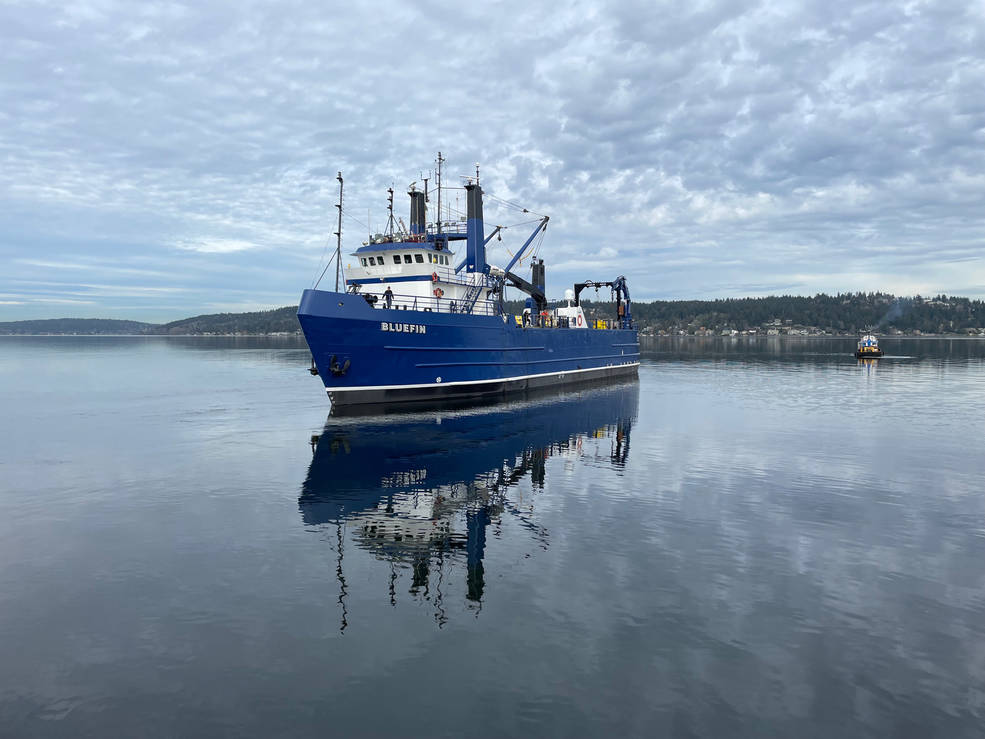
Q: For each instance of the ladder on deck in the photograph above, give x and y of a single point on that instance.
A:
(472, 296)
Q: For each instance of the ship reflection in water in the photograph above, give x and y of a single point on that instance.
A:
(420, 491)
(869, 366)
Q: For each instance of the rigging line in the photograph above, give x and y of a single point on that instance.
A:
(512, 225)
(357, 221)
(535, 252)
(323, 253)
(523, 223)
(512, 204)
(345, 214)
(324, 270)
(504, 201)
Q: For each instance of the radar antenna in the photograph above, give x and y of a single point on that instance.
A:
(390, 223)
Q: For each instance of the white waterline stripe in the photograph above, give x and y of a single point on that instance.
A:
(468, 348)
(476, 382)
(514, 364)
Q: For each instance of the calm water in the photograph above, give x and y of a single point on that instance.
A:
(758, 538)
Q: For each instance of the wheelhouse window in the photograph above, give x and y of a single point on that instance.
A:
(372, 261)
(419, 258)
(363, 260)
(396, 259)
(407, 259)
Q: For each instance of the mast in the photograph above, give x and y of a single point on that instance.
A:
(338, 237)
(440, 160)
(389, 207)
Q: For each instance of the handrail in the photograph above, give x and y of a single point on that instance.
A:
(448, 274)
(428, 304)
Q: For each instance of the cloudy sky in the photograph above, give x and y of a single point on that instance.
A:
(163, 159)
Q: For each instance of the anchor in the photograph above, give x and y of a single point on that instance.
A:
(335, 368)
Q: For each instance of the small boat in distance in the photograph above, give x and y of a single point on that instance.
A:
(868, 348)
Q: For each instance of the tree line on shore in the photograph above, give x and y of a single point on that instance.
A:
(844, 313)
(839, 314)
(279, 320)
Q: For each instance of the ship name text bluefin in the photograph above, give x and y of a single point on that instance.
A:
(406, 328)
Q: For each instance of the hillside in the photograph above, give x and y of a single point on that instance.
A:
(279, 320)
(845, 313)
(88, 326)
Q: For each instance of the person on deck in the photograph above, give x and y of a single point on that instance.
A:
(388, 297)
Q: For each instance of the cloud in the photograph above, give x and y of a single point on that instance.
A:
(701, 149)
(217, 246)
(98, 266)
(62, 301)
(91, 290)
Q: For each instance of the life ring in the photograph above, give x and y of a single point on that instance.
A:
(438, 292)
(434, 277)
(579, 319)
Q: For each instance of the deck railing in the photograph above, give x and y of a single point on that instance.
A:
(430, 304)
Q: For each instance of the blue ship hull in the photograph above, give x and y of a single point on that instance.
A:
(374, 355)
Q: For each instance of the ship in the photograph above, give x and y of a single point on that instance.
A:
(868, 348)
(415, 321)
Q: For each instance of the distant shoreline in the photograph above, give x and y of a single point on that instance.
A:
(298, 335)
(795, 337)
(154, 336)
(842, 315)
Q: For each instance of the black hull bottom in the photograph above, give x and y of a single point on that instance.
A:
(868, 355)
(356, 400)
